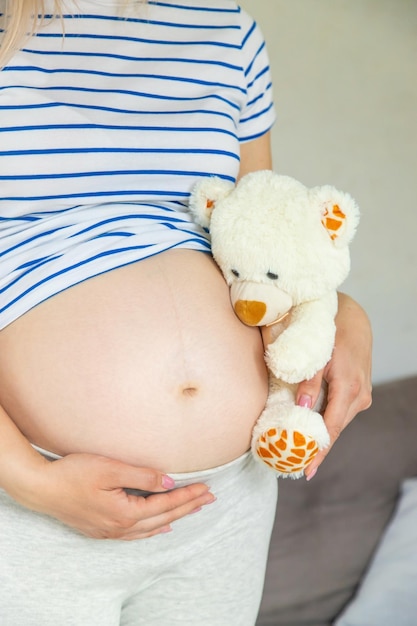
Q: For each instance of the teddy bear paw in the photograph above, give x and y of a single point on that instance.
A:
(293, 363)
(288, 452)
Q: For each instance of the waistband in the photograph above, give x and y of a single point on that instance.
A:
(51, 456)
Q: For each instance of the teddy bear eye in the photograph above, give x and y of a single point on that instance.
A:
(235, 273)
(272, 275)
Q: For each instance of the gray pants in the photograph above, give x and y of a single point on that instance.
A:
(208, 571)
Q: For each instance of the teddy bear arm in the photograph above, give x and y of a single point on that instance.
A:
(306, 345)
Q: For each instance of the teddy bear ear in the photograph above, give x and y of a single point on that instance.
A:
(204, 196)
(338, 213)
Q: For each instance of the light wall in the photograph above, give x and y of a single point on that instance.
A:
(345, 84)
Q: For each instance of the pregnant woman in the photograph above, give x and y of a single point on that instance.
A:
(128, 388)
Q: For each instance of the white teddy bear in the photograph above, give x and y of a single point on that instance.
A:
(283, 250)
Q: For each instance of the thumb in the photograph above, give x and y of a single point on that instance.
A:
(310, 391)
(121, 475)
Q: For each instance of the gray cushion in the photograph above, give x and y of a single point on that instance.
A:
(326, 530)
(388, 593)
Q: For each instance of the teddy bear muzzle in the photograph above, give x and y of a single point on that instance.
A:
(258, 304)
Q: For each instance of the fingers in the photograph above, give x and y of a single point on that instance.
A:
(343, 403)
(88, 493)
(334, 419)
(158, 512)
(130, 517)
(146, 516)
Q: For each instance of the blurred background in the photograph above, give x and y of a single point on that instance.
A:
(345, 85)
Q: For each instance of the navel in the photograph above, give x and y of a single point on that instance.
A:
(189, 391)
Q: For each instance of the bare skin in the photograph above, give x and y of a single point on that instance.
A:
(85, 490)
(79, 374)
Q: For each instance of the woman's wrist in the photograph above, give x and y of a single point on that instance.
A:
(349, 310)
(21, 476)
(22, 469)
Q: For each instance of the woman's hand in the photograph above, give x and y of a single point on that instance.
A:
(348, 375)
(86, 492)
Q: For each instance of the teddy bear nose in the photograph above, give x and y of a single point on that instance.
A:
(250, 312)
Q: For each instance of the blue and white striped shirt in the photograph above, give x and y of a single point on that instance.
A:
(104, 132)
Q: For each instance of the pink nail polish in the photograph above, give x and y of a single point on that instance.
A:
(168, 482)
(312, 474)
(305, 401)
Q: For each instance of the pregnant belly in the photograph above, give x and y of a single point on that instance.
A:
(147, 364)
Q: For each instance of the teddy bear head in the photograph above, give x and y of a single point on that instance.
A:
(277, 242)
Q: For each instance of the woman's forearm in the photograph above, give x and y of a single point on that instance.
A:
(86, 491)
(20, 464)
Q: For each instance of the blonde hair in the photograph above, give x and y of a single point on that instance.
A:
(20, 20)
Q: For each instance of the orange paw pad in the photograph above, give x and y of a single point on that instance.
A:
(286, 452)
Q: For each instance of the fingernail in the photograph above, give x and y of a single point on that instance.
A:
(196, 510)
(168, 482)
(311, 474)
(305, 400)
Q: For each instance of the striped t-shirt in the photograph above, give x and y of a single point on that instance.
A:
(103, 133)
